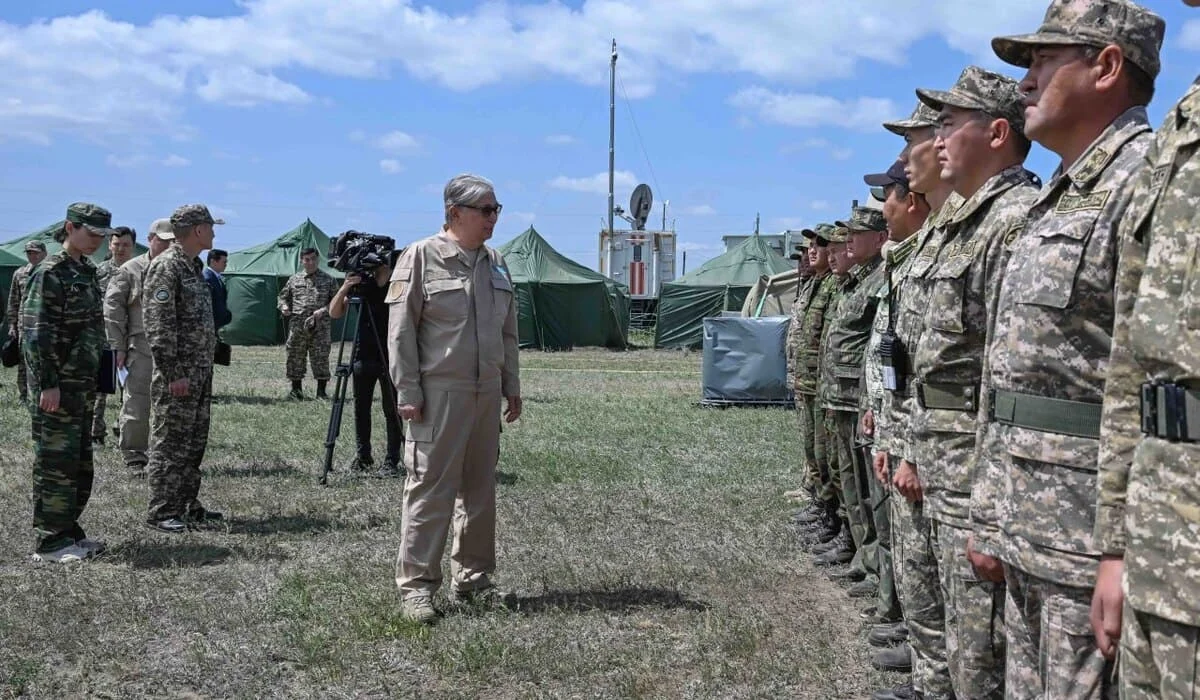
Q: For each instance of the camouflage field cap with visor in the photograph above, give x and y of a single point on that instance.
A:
(818, 234)
(921, 118)
(981, 90)
(864, 219)
(93, 216)
(193, 215)
(35, 247)
(879, 182)
(837, 233)
(1138, 31)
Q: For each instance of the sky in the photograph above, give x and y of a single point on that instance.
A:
(355, 113)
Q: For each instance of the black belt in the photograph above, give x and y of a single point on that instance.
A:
(1048, 415)
(1171, 412)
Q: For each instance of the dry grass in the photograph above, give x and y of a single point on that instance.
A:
(645, 537)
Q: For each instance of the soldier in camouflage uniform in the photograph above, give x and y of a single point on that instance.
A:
(126, 334)
(841, 377)
(803, 288)
(1148, 499)
(1091, 68)
(981, 150)
(918, 583)
(304, 302)
(35, 252)
(63, 337)
(120, 248)
(179, 327)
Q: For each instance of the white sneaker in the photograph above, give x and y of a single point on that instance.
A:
(63, 555)
(94, 547)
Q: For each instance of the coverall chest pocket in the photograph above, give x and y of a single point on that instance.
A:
(502, 292)
(947, 290)
(446, 299)
(913, 301)
(1059, 253)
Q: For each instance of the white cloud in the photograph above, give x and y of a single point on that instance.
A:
(339, 188)
(390, 166)
(560, 140)
(595, 184)
(133, 161)
(175, 161)
(841, 153)
(396, 142)
(809, 110)
(700, 210)
(223, 212)
(835, 152)
(1189, 36)
(357, 136)
(241, 87)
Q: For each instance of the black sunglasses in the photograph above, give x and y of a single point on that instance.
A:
(486, 211)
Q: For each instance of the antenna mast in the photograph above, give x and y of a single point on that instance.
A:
(612, 130)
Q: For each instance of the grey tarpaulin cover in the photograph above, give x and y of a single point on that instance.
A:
(745, 360)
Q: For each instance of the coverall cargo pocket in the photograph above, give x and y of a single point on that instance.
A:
(1060, 253)
(445, 299)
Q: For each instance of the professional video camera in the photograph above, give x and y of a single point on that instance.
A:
(359, 253)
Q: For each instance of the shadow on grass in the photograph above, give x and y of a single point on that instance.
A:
(506, 478)
(165, 555)
(252, 400)
(614, 600)
(277, 524)
(252, 470)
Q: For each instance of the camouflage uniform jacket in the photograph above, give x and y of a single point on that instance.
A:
(123, 322)
(843, 347)
(104, 273)
(823, 289)
(1052, 339)
(960, 290)
(16, 294)
(874, 396)
(304, 294)
(910, 302)
(802, 365)
(1148, 502)
(796, 314)
(177, 312)
(63, 325)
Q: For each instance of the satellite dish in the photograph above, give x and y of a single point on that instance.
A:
(639, 206)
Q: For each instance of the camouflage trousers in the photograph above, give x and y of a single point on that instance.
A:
(62, 469)
(98, 429)
(177, 444)
(974, 618)
(827, 492)
(312, 343)
(920, 592)
(855, 491)
(887, 602)
(810, 474)
(22, 380)
(1051, 649)
(1159, 658)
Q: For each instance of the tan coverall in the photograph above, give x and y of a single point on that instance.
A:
(125, 332)
(452, 335)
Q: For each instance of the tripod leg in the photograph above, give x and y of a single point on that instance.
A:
(339, 392)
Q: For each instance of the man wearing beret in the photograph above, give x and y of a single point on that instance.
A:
(179, 326)
(35, 252)
(1091, 69)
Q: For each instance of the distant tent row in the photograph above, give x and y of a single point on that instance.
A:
(721, 284)
(561, 303)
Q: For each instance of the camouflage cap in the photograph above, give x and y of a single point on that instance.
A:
(864, 219)
(981, 90)
(193, 215)
(820, 231)
(35, 246)
(93, 216)
(1138, 31)
(921, 118)
(162, 230)
(836, 234)
(800, 248)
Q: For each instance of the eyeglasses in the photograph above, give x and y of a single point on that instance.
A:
(486, 211)
(879, 193)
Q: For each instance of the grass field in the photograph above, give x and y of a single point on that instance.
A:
(645, 536)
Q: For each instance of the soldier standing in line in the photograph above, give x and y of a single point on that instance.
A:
(126, 333)
(803, 287)
(120, 249)
(1148, 457)
(919, 586)
(179, 327)
(981, 150)
(62, 341)
(1091, 69)
(304, 302)
(35, 253)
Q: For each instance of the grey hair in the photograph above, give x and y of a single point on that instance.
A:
(465, 189)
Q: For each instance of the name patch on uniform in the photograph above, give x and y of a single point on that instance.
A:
(1011, 236)
(1081, 202)
(162, 295)
(1159, 177)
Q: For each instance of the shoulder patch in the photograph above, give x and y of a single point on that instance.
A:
(162, 295)
(1069, 203)
(395, 291)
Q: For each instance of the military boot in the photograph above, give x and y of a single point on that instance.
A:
(897, 659)
(321, 389)
(887, 635)
(865, 588)
(840, 554)
(838, 541)
(812, 513)
(296, 392)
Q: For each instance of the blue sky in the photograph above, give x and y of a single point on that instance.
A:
(355, 113)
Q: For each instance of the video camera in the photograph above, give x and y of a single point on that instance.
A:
(359, 253)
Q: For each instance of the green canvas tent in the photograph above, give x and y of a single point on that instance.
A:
(254, 277)
(562, 304)
(721, 284)
(772, 296)
(12, 254)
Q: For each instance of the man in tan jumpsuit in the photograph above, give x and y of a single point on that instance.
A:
(126, 334)
(452, 335)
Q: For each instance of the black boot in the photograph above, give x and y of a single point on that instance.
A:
(296, 392)
(321, 389)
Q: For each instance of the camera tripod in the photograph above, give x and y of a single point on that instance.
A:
(346, 369)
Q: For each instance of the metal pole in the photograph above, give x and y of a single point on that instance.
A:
(612, 131)
(664, 228)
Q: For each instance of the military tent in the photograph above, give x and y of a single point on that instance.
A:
(721, 284)
(254, 277)
(562, 304)
(772, 295)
